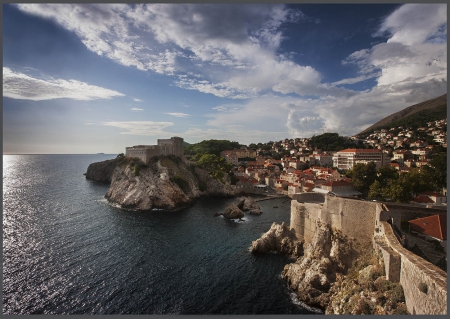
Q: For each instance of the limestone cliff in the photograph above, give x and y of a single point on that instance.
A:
(101, 172)
(328, 254)
(165, 183)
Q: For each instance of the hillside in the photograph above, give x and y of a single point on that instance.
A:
(429, 110)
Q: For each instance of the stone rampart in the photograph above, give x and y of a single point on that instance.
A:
(354, 218)
(424, 284)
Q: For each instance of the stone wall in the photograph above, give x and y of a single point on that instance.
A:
(354, 218)
(416, 274)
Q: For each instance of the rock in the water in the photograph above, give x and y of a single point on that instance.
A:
(232, 212)
(279, 238)
(240, 202)
(255, 212)
(250, 204)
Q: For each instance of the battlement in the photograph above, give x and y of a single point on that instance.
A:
(172, 146)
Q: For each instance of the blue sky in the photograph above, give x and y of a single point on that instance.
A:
(84, 78)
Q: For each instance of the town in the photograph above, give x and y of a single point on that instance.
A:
(292, 166)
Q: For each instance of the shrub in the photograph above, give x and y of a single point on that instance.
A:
(182, 183)
(120, 155)
(397, 294)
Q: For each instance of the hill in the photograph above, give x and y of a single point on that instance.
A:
(420, 113)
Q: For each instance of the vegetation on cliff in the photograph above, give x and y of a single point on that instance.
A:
(210, 147)
(365, 290)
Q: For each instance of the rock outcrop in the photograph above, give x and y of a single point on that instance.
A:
(101, 172)
(232, 211)
(248, 204)
(365, 290)
(329, 254)
(165, 183)
(281, 239)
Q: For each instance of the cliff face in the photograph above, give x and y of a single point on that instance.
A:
(101, 172)
(328, 254)
(165, 183)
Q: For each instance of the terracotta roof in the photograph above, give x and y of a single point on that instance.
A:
(422, 199)
(434, 226)
(432, 194)
(309, 185)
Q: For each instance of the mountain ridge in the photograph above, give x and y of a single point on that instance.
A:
(430, 104)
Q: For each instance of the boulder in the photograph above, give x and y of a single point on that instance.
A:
(279, 238)
(250, 204)
(232, 212)
(255, 212)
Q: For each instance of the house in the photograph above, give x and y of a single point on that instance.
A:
(435, 197)
(341, 189)
(434, 226)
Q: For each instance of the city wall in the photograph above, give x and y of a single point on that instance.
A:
(424, 284)
(367, 222)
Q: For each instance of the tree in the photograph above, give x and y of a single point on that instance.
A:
(217, 166)
(376, 191)
(399, 190)
(386, 173)
(363, 175)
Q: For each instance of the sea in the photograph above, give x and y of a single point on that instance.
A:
(66, 250)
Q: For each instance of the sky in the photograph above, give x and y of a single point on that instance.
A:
(91, 78)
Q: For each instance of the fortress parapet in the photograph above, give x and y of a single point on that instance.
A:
(172, 146)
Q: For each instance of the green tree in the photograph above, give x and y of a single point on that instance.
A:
(363, 175)
(386, 173)
(376, 191)
(399, 190)
(216, 165)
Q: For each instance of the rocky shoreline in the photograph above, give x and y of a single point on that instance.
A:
(332, 273)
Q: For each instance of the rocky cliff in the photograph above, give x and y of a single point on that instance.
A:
(101, 172)
(328, 254)
(165, 183)
(281, 239)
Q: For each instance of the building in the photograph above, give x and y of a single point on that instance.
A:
(341, 189)
(232, 156)
(434, 226)
(172, 146)
(345, 159)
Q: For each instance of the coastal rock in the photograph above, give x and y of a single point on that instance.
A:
(327, 255)
(279, 238)
(250, 204)
(165, 183)
(255, 212)
(232, 212)
(101, 172)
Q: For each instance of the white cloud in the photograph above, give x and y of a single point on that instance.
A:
(179, 114)
(136, 109)
(17, 85)
(235, 45)
(137, 100)
(147, 128)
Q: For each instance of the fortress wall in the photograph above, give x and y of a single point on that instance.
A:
(354, 218)
(415, 271)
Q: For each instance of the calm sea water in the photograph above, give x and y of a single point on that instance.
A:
(67, 251)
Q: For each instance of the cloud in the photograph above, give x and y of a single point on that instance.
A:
(17, 85)
(147, 128)
(136, 109)
(179, 114)
(137, 100)
(228, 50)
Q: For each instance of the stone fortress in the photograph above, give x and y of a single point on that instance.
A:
(172, 146)
(374, 223)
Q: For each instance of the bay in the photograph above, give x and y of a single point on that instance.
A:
(66, 250)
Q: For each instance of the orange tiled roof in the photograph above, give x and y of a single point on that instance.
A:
(434, 226)
(357, 150)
